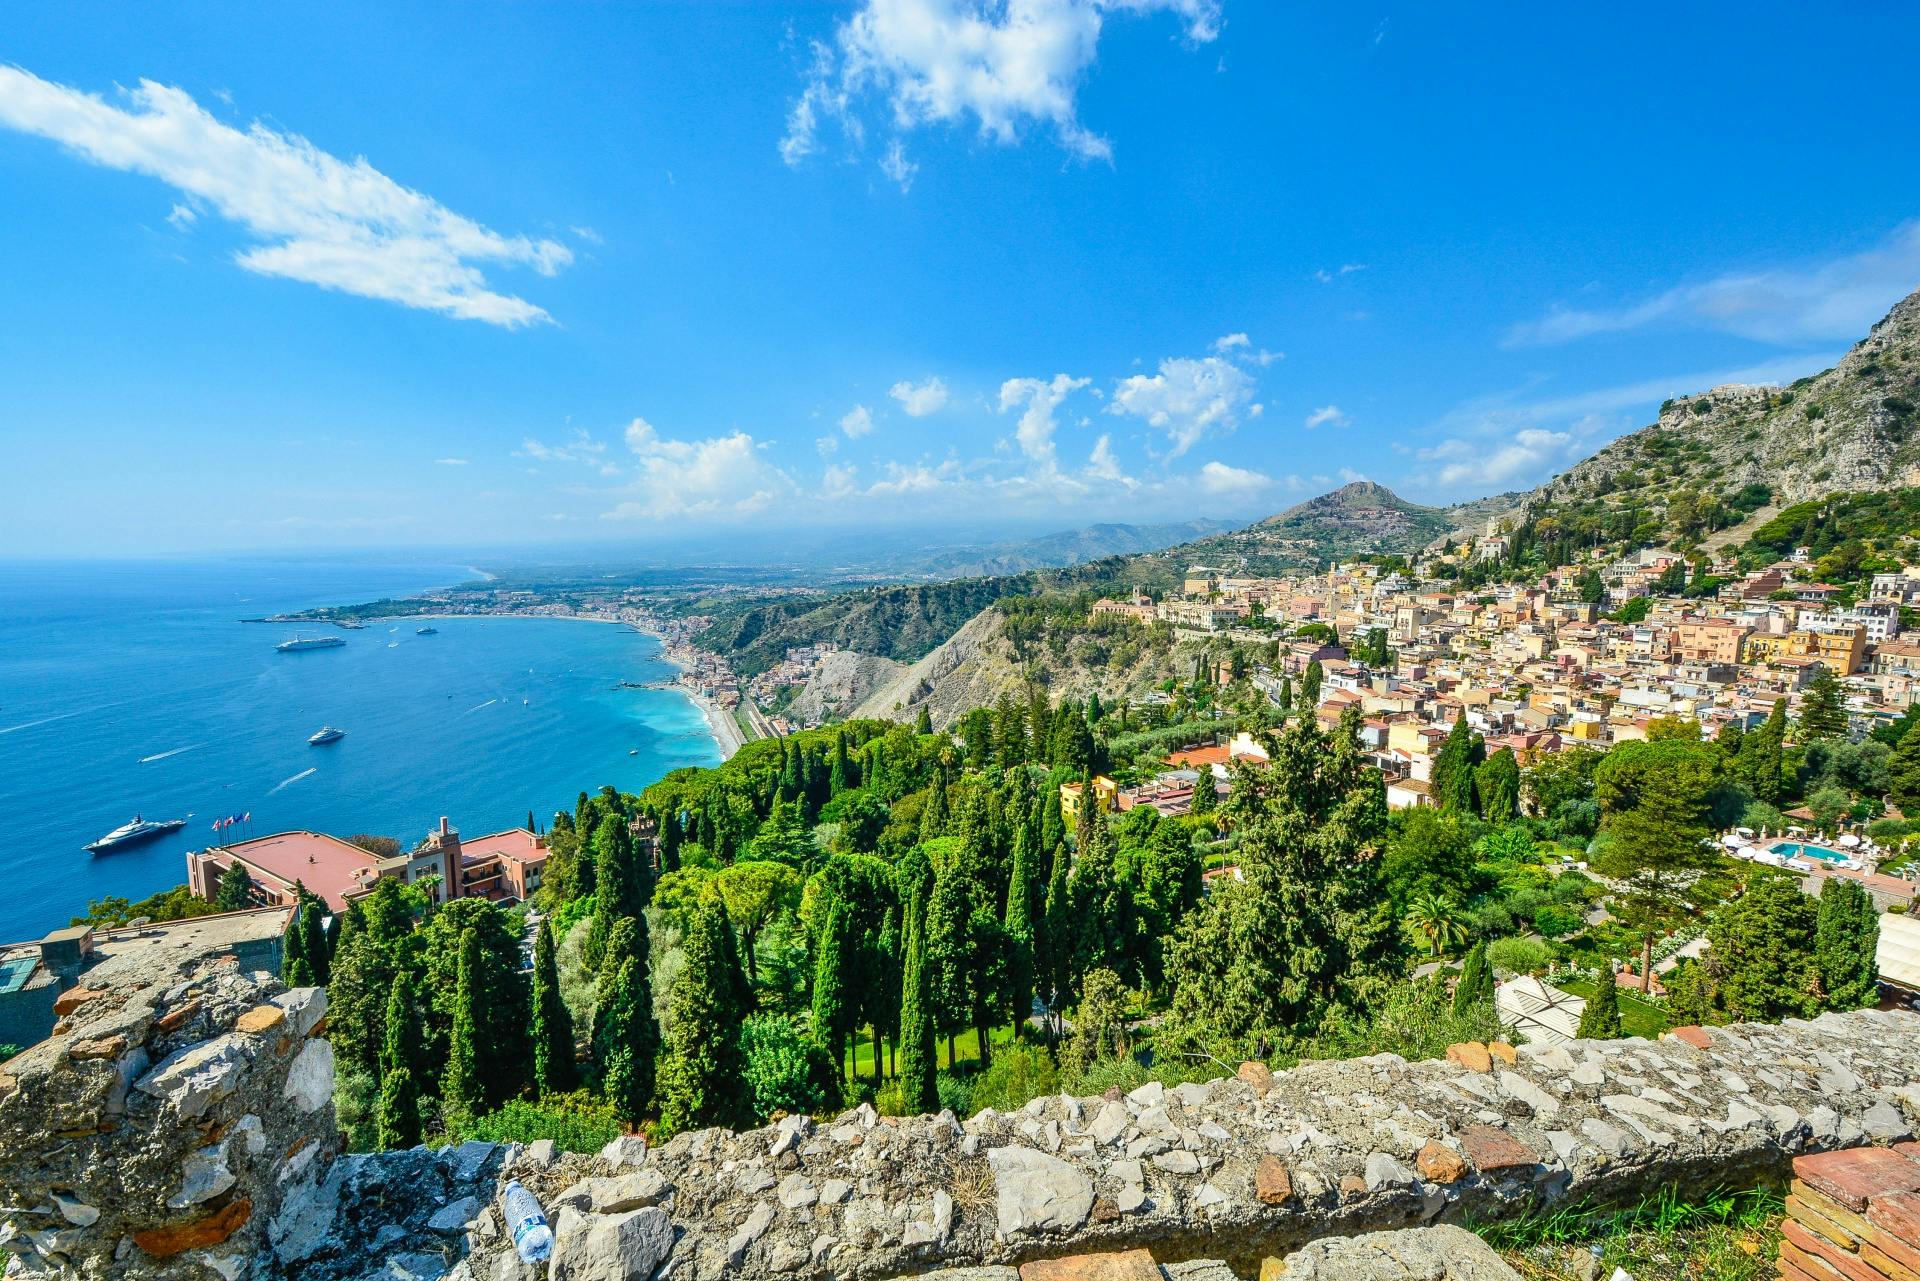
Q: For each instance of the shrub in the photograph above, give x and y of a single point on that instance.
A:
(786, 1070)
(955, 1096)
(1556, 922)
(576, 1122)
(1019, 1074)
(1518, 955)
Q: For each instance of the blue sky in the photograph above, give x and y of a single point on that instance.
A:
(439, 274)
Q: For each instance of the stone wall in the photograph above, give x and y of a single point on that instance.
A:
(1236, 1169)
(179, 1124)
(178, 1103)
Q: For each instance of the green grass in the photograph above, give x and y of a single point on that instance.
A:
(1725, 1236)
(1638, 1017)
(966, 1049)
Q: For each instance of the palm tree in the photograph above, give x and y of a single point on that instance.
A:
(1438, 920)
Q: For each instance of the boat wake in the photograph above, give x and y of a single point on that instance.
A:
(44, 720)
(161, 756)
(288, 782)
(489, 703)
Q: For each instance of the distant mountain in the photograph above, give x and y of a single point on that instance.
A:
(1068, 547)
(1355, 520)
(1740, 452)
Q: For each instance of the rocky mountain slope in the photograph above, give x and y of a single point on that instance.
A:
(1704, 463)
(842, 681)
(1357, 519)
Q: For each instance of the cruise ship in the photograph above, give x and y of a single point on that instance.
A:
(327, 734)
(299, 643)
(133, 833)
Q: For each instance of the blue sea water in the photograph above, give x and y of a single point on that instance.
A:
(133, 687)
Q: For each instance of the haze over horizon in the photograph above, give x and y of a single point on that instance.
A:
(519, 276)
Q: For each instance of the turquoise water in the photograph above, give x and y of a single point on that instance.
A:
(1788, 849)
(134, 688)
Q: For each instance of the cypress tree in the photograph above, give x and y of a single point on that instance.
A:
(554, 1070)
(1020, 930)
(918, 1092)
(401, 1046)
(832, 999)
(1498, 783)
(398, 1119)
(626, 1040)
(314, 942)
(1600, 1021)
(923, 723)
(1060, 931)
(1846, 940)
(1476, 981)
(296, 964)
(461, 1086)
(1453, 769)
(949, 947)
(236, 888)
(1903, 770)
(701, 1071)
(617, 890)
(840, 777)
(1310, 686)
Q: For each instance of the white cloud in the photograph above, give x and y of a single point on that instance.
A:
(577, 448)
(920, 399)
(1188, 398)
(1005, 65)
(183, 216)
(1218, 478)
(825, 445)
(1820, 302)
(1349, 475)
(1325, 415)
(898, 168)
(856, 422)
(837, 482)
(718, 476)
(1231, 341)
(588, 234)
(1103, 465)
(1492, 464)
(1034, 432)
(450, 462)
(319, 219)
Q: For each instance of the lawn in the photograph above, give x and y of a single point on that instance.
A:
(966, 1047)
(1726, 1237)
(1637, 1016)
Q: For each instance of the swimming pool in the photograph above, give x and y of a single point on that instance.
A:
(1787, 849)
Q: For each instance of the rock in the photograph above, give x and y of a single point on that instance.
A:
(834, 1191)
(628, 1191)
(204, 1175)
(1470, 1055)
(1110, 1123)
(178, 1238)
(541, 1152)
(305, 1007)
(465, 1162)
(1544, 1105)
(191, 1080)
(1439, 1163)
(1492, 1151)
(752, 1230)
(611, 1247)
(1149, 1095)
(1126, 1265)
(78, 1213)
(1698, 1037)
(628, 1149)
(73, 998)
(1383, 1171)
(310, 1077)
(1035, 1192)
(1257, 1075)
(797, 1191)
(260, 1019)
(454, 1217)
(103, 1047)
(251, 1134)
(1504, 1052)
(1178, 1161)
(1272, 1185)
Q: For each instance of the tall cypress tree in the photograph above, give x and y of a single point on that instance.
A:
(1453, 769)
(701, 1071)
(833, 1003)
(554, 1070)
(1903, 771)
(1476, 981)
(840, 777)
(1823, 709)
(950, 946)
(626, 1040)
(461, 1086)
(1310, 683)
(1020, 930)
(398, 1120)
(1600, 1021)
(402, 1045)
(296, 962)
(923, 723)
(314, 942)
(617, 885)
(1060, 931)
(1846, 940)
(918, 1091)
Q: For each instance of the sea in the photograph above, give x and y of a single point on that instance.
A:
(134, 687)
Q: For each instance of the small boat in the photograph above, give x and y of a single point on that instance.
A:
(133, 833)
(427, 631)
(633, 751)
(327, 734)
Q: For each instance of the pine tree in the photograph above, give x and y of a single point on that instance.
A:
(1453, 768)
(1846, 941)
(833, 1002)
(1600, 1021)
(701, 1070)
(554, 1070)
(1823, 709)
(1475, 988)
(236, 888)
(1761, 952)
(461, 1086)
(917, 1086)
(398, 1119)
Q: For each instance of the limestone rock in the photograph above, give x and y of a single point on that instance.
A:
(611, 1247)
(1035, 1192)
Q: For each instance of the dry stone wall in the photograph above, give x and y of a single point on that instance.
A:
(164, 1123)
(178, 1124)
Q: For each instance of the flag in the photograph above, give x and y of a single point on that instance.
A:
(247, 817)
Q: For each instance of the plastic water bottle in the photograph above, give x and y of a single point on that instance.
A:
(527, 1222)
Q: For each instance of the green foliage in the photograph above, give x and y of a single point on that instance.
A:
(1600, 1020)
(702, 1065)
(786, 1070)
(576, 1122)
(399, 1117)
(1846, 939)
(176, 904)
(1656, 799)
(1475, 987)
(1761, 962)
(1823, 710)
(236, 888)
(1416, 1020)
(554, 1069)
(1019, 1073)
(1519, 955)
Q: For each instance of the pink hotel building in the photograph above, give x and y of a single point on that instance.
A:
(501, 865)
